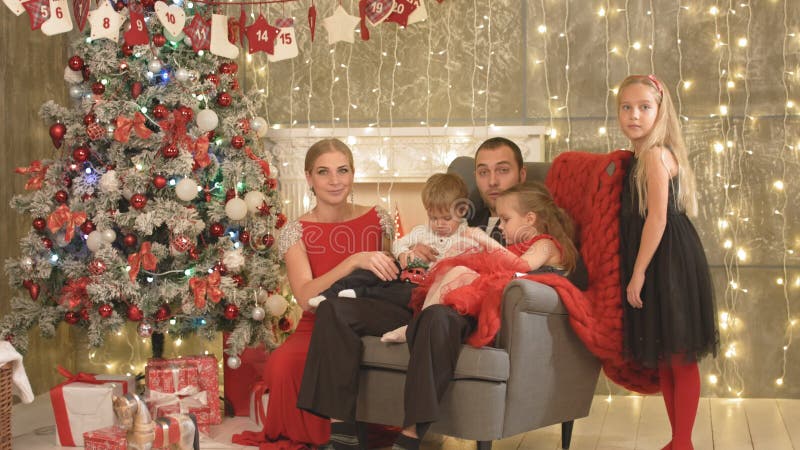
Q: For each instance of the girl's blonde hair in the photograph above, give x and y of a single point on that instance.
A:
(666, 133)
(533, 196)
(326, 146)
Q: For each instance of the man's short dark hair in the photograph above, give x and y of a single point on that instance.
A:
(496, 142)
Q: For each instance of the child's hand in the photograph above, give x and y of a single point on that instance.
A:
(634, 290)
(425, 253)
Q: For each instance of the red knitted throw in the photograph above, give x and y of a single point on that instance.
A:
(580, 183)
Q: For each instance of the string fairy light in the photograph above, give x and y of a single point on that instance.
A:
(652, 13)
(549, 99)
(474, 58)
(566, 72)
(604, 130)
(447, 64)
(490, 51)
(627, 40)
(680, 86)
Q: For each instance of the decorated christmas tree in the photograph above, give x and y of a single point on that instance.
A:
(158, 205)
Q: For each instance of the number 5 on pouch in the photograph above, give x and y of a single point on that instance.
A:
(286, 42)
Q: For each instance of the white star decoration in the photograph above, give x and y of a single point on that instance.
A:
(105, 22)
(340, 26)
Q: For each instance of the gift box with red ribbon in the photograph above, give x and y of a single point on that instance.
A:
(240, 382)
(108, 438)
(83, 402)
(259, 399)
(184, 385)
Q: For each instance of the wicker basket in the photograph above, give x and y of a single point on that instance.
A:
(5, 407)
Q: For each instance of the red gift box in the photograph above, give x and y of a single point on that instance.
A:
(108, 438)
(207, 382)
(239, 382)
(169, 375)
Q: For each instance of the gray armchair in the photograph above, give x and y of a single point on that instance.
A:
(538, 374)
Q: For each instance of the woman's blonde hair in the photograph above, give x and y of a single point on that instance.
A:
(445, 192)
(533, 196)
(666, 133)
(326, 146)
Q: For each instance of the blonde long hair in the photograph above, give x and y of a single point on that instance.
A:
(666, 133)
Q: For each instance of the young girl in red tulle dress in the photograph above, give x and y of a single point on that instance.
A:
(539, 238)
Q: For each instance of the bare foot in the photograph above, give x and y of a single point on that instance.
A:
(397, 336)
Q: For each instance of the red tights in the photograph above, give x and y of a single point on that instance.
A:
(680, 385)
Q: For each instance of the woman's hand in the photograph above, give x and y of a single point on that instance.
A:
(378, 263)
(634, 290)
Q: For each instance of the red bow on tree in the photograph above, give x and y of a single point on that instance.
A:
(264, 165)
(200, 151)
(37, 172)
(144, 259)
(175, 129)
(208, 286)
(74, 292)
(125, 125)
(63, 217)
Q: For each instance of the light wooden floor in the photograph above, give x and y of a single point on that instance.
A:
(629, 423)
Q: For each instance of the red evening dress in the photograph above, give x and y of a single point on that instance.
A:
(482, 297)
(327, 244)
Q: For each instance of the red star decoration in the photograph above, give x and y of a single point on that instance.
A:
(261, 36)
(199, 31)
(401, 18)
(39, 12)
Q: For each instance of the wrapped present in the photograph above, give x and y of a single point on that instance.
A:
(108, 438)
(239, 382)
(83, 402)
(259, 398)
(186, 398)
(170, 375)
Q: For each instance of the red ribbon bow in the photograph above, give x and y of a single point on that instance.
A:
(74, 292)
(264, 165)
(63, 217)
(200, 151)
(37, 173)
(208, 286)
(175, 128)
(144, 259)
(125, 125)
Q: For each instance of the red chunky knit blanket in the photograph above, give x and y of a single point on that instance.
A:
(581, 184)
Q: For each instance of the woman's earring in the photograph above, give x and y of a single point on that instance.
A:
(352, 197)
(313, 194)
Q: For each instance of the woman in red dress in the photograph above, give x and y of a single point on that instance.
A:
(330, 241)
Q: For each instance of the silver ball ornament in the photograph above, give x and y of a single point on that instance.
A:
(154, 66)
(258, 313)
(234, 362)
(145, 329)
(182, 75)
(109, 235)
(259, 126)
(27, 264)
(75, 92)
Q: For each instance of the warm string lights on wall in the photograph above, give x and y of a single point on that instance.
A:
(542, 29)
(603, 131)
(490, 53)
(565, 35)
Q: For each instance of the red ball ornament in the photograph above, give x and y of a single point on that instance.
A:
(76, 63)
(159, 181)
(39, 224)
(130, 240)
(213, 78)
(86, 72)
(119, 5)
(235, 84)
(84, 314)
(234, 67)
(229, 194)
(280, 221)
(148, 3)
(231, 311)
(160, 111)
(159, 40)
(33, 289)
(169, 151)
(181, 243)
(238, 279)
(225, 68)
(224, 99)
(138, 201)
(285, 324)
(193, 253)
(61, 197)
(57, 133)
(163, 313)
(272, 183)
(136, 89)
(105, 310)
(71, 317)
(98, 88)
(89, 119)
(187, 113)
(220, 267)
(95, 131)
(135, 313)
(268, 240)
(97, 267)
(87, 227)
(244, 237)
(127, 50)
(48, 244)
(244, 125)
(237, 141)
(81, 154)
(67, 181)
(217, 229)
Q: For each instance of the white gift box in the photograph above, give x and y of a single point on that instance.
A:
(254, 415)
(83, 406)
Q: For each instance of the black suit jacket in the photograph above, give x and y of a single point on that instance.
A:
(481, 220)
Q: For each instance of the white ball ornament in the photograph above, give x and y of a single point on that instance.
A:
(72, 76)
(27, 263)
(234, 362)
(236, 209)
(258, 313)
(145, 329)
(109, 182)
(94, 240)
(154, 66)
(276, 305)
(109, 235)
(75, 92)
(186, 189)
(234, 260)
(259, 125)
(207, 120)
(182, 74)
(254, 200)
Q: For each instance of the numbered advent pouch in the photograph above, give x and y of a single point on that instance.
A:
(60, 20)
(286, 42)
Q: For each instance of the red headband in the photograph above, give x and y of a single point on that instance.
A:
(657, 83)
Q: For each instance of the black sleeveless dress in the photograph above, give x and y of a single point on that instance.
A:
(679, 316)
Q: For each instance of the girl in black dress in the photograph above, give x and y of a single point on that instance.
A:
(670, 319)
